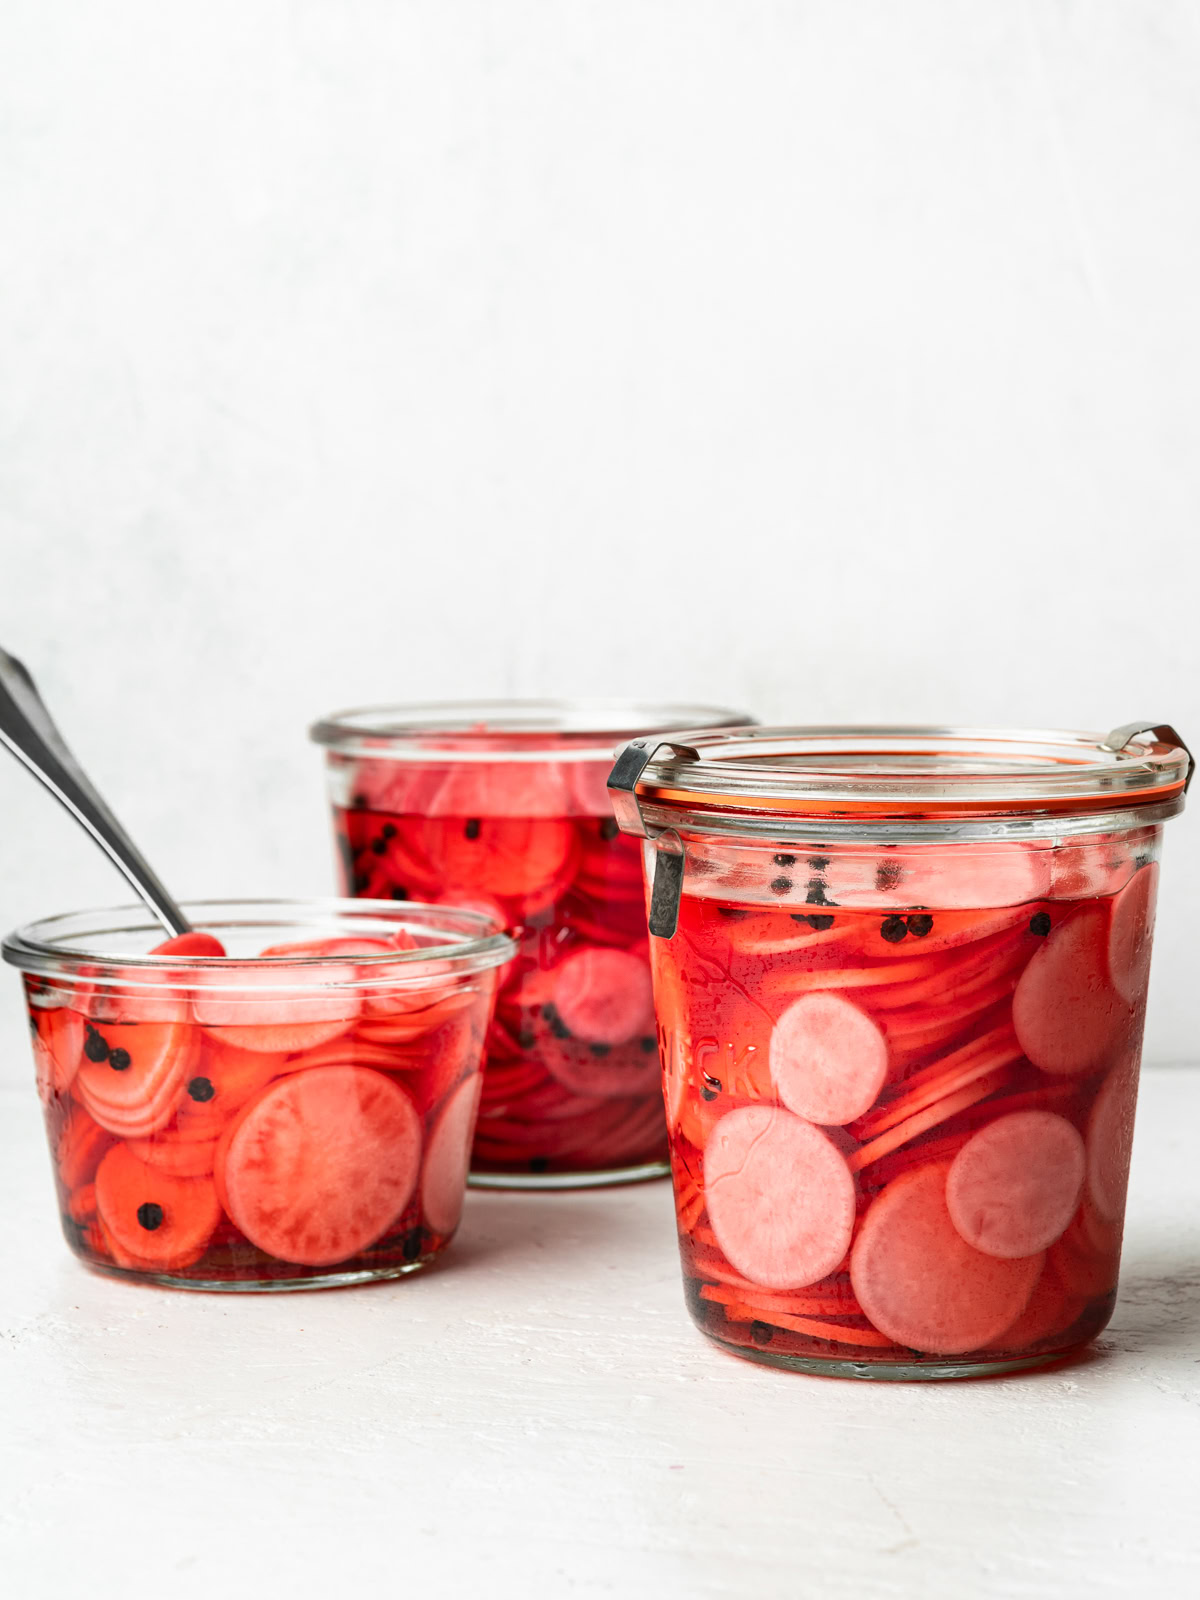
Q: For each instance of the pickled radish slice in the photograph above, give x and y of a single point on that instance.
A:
(934, 878)
(186, 1158)
(444, 1175)
(320, 1164)
(597, 1070)
(1110, 1142)
(223, 1078)
(1067, 1015)
(828, 1058)
(161, 1220)
(1052, 1310)
(1130, 932)
(507, 789)
(132, 1074)
(189, 944)
(780, 1197)
(507, 856)
(604, 996)
(1087, 1264)
(62, 1034)
(1013, 1188)
(80, 1147)
(277, 1021)
(1083, 871)
(920, 1282)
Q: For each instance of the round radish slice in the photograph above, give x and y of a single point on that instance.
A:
(1067, 1015)
(1052, 1310)
(780, 1197)
(508, 856)
(132, 1074)
(510, 789)
(1013, 1188)
(1110, 1142)
(444, 1177)
(222, 1078)
(1130, 932)
(933, 878)
(80, 1147)
(828, 1059)
(280, 1021)
(604, 996)
(185, 1158)
(602, 1071)
(159, 1221)
(321, 1164)
(920, 1282)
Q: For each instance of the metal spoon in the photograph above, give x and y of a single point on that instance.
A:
(27, 729)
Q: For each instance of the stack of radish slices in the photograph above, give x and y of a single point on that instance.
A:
(248, 1134)
(916, 1155)
(572, 1084)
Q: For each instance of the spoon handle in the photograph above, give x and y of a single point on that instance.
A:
(28, 730)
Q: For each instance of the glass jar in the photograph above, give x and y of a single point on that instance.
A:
(503, 806)
(900, 978)
(281, 1099)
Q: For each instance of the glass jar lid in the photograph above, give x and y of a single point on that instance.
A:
(909, 774)
(509, 730)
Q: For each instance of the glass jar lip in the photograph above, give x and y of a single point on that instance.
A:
(509, 730)
(910, 773)
(57, 946)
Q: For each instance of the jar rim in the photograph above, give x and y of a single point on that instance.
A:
(58, 946)
(509, 730)
(915, 773)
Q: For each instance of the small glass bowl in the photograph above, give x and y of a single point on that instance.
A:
(296, 1112)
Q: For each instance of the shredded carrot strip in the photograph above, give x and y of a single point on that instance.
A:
(836, 1332)
(903, 1132)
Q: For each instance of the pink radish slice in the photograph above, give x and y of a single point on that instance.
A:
(444, 1179)
(183, 1158)
(62, 1034)
(828, 1059)
(920, 1282)
(278, 1020)
(604, 996)
(190, 944)
(513, 789)
(1083, 871)
(320, 1164)
(1110, 1141)
(780, 1197)
(1052, 1310)
(1130, 932)
(1013, 1188)
(1066, 1013)
(964, 878)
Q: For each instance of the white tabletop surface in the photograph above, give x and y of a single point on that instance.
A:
(537, 1417)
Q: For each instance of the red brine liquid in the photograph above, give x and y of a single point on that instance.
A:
(229, 1138)
(903, 1137)
(572, 1083)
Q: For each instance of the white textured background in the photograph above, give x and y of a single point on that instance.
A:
(837, 360)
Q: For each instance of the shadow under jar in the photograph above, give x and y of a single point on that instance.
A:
(502, 806)
(294, 1113)
(901, 1019)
